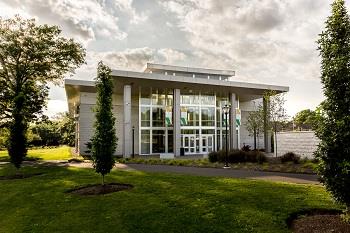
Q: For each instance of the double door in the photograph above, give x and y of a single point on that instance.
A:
(191, 144)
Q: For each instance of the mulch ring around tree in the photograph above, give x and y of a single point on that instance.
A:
(19, 176)
(318, 221)
(98, 189)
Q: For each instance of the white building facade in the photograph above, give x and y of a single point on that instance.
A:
(171, 110)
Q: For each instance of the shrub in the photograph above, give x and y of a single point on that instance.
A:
(237, 156)
(213, 156)
(290, 157)
(246, 148)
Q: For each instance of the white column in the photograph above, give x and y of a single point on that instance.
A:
(233, 134)
(177, 122)
(127, 137)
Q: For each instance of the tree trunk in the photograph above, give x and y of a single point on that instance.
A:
(276, 140)
(103, 179)
(254, 139)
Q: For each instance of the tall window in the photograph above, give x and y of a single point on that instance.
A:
(156, 120)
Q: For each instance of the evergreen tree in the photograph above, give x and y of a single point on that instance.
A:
(334, 128)
(104, 140)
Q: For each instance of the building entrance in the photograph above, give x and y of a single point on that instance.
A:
(189, 143)
(207, 143)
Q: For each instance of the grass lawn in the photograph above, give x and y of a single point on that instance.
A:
(157, 203)
(58, 153)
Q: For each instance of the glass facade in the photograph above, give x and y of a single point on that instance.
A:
(203, 125)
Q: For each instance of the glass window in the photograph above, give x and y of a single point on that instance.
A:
(208, 99)
(192, 116)
(145, 116)
(158, 97)
(145, 141)
(218, 117)
(158, 117)
(208, 116)
(158, 141)
(208, 131)
(145, 96)
(170, 98)
(170, 141)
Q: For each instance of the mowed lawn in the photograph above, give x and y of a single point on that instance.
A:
(58, 153)
(157, 203)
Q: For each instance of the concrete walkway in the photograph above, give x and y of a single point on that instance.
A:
(198, 171)
(231, 173)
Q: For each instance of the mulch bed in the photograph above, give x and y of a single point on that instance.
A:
(98, 189)
(318, 221)
(19, 176)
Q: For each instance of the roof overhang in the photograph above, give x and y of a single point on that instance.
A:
(246, 91)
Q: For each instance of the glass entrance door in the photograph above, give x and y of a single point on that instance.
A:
(189, 143)
(207, 143)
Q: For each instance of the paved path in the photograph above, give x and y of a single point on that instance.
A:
(232, 173)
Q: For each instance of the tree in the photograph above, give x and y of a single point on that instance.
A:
(255, 122)
(66, 125)
(104, 140)
(305, 119)
(334, 128)
(31, 56)
(276, 113)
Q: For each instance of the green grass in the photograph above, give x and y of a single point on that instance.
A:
(157, 203)
(58, 153)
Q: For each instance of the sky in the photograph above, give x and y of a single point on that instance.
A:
(264, 41)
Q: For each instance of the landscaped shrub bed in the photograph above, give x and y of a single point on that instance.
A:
(237, 156)
(290, 157)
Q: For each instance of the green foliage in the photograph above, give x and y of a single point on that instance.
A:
(290, 157)
(48, 132)
(66, 126)
(305, 119)
(104, 140)
(334, 127)
(31, 56)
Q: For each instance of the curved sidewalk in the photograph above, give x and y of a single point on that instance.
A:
(231, 173)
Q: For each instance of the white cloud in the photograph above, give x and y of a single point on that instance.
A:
(270, 41)
(85, 20)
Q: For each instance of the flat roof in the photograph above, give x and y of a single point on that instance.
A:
(246, 91)
(193, 70)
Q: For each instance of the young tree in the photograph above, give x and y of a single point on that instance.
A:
(104, 140)
(334, 128)
(31, 56)
(255, 122)
(276, 112)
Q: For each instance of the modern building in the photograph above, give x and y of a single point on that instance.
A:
(167, 110)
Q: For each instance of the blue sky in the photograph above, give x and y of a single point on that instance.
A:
(265, 41)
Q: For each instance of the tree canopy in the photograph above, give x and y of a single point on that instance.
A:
(31, 56)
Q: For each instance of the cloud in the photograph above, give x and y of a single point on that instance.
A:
(129, 59)
(85, 20)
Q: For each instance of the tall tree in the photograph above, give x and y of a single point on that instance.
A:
(31, 56)
(104, 140)
(334, 129)
(255, 122)
(276, 113)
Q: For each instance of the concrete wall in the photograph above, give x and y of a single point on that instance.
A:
(87, 118)
(303, 143)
